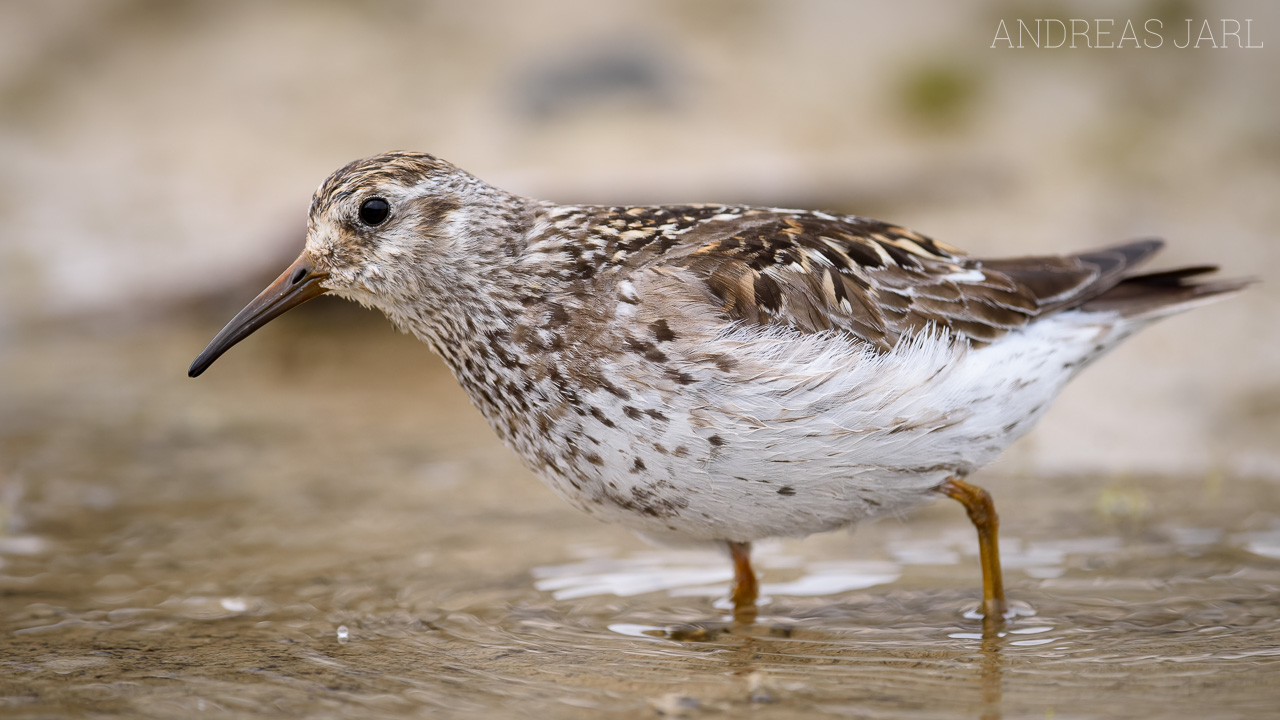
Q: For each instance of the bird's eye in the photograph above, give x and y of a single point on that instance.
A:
(374, 210)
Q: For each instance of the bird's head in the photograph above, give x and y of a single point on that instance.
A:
(386, 231)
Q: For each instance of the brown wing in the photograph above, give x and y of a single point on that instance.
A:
(879, 281)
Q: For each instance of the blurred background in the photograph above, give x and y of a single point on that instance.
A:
(157, 158)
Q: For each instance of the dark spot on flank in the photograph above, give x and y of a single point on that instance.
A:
(646, 502)
(662, 332)
(656, 415)
(631, 412)
(614, 390)
(637, 466)
(595, 413)
(498, 342)
(716, 440)
(661, 450)
(680, 377)
(645, 348)
(680, 451)
(486, 400)
(566, 391)
(595, 459)
(724, 363)
(786, 490)
(516, 397)
(559, 315)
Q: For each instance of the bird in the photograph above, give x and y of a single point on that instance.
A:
(714, 375)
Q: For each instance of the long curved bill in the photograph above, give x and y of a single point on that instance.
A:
(296, 285)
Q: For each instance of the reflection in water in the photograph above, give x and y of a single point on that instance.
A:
(1266, 543)
(706, 574)
(992, 676)
(169, 550)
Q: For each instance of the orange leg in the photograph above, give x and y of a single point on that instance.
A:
(982, 512)
(745, 588)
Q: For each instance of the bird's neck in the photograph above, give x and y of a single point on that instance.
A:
(475, 289)
(466, 305)
(484, 321)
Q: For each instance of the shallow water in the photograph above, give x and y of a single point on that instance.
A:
(322, 527)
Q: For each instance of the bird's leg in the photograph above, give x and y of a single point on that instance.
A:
(745, 588)
(982, 512)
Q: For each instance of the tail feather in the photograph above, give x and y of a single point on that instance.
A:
(1067, 281)
(1117, 258)
(1103, 280)
(1153, 295)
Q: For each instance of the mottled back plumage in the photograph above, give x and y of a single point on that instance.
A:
(814, 271)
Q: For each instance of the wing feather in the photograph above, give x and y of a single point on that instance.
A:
(816, 272)
(881, 282)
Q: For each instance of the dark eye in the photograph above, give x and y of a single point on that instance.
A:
(374, 210)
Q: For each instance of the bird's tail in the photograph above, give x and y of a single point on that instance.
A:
(1154, 295)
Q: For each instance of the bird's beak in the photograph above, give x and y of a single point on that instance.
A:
(296, 285)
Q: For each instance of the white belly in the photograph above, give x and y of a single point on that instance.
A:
(811, 432)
